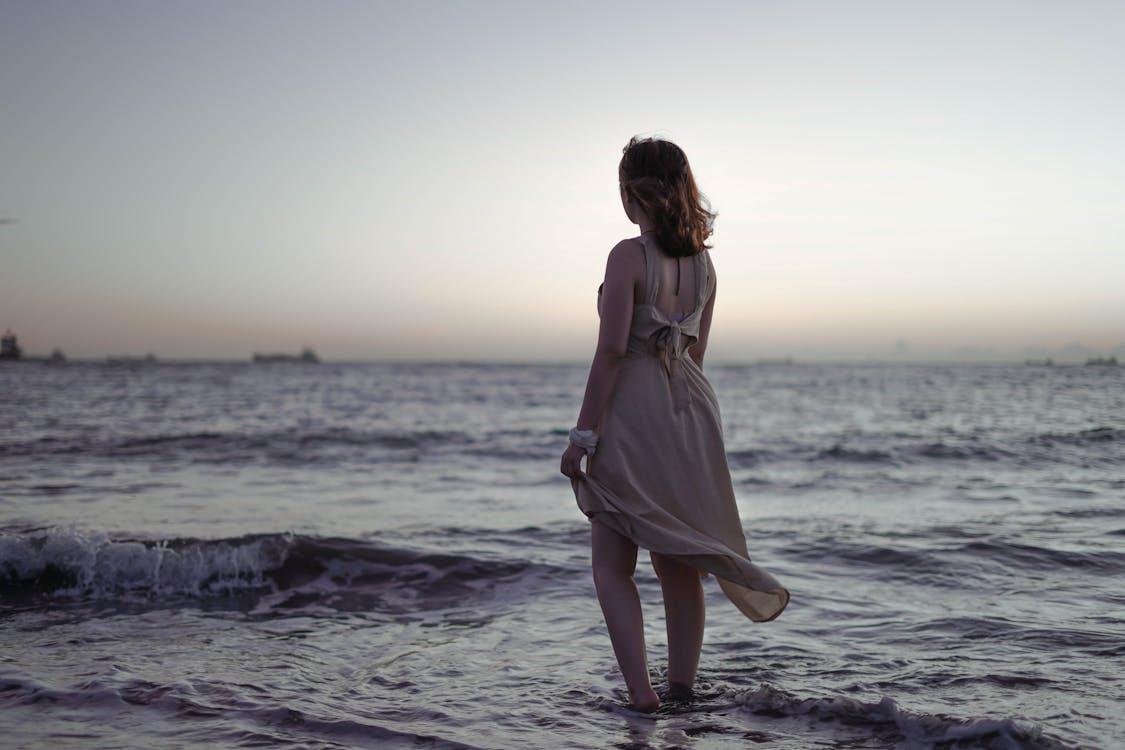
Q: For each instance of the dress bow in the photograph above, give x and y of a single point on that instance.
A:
(668, 342)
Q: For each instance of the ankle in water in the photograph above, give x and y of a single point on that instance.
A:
(644, 703)
(679, 692)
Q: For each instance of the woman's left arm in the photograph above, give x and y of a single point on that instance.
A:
(699, 348)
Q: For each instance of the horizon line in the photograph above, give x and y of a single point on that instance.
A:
(145, 360)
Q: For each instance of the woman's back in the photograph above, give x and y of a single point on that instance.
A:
(675, 284)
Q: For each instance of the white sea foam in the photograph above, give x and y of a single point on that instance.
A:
(92, 564)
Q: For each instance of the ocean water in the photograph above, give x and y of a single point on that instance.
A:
(385, 556)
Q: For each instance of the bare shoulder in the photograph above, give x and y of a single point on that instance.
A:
(627, 256)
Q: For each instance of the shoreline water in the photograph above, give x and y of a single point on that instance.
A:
(353, 555)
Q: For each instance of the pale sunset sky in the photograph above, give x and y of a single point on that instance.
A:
(438, 180)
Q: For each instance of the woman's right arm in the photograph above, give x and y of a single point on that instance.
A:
(623, 269)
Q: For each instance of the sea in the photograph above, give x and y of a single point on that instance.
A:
(202, 555)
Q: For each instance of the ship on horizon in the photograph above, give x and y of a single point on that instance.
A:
(9, 346)
(307, 355)
(10, 349)
(131, 359)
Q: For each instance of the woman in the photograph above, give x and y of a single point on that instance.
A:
(656, 473)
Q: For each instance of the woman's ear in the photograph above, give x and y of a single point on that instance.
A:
(628, 205)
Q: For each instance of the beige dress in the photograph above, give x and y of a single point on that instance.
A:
(659, 475)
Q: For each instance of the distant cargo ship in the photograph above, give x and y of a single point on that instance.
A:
(306, 355)
(1102, 362)
(130, 359)
(10, 349)
(9, 346)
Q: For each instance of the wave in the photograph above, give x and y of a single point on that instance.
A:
(333, 445)
(1098, 444)
(895, 455)
(840, 453)
(892, 455)
(340, 572)
(75, 563)
(1033, 557)
(232, 444)
(252, 721)
(1059, 642)
(289, 446)
(953, 566)
(835, 550)
(1083, 437)
(900, 727)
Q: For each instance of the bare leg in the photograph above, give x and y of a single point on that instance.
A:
(614, 560)
(685, 614)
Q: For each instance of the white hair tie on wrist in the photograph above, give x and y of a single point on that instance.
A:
(587, 440)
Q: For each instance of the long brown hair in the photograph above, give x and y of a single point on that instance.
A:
(655, 175)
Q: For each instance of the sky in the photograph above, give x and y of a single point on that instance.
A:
(438, 180)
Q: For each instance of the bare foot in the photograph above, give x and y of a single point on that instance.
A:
(645, 703)
(678, 692)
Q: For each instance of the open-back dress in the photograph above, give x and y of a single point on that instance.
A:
(659, 475)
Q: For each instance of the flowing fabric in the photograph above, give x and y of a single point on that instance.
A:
(659, 475)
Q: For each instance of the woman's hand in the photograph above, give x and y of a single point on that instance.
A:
(572, 461)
